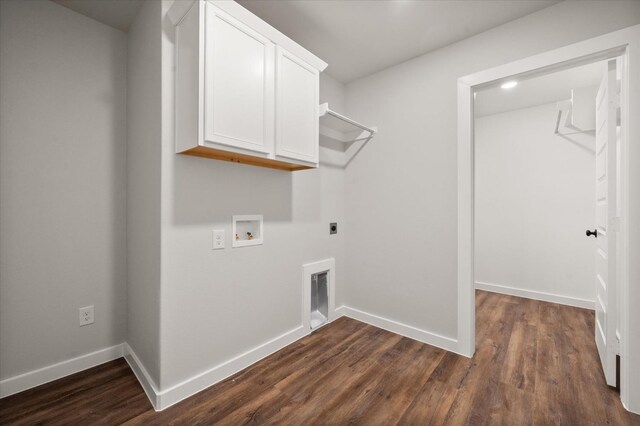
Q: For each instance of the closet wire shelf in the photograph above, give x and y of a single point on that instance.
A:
(343, 135)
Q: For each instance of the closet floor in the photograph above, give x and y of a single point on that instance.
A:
(535, 363)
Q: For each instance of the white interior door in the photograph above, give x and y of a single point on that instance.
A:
(606, 222)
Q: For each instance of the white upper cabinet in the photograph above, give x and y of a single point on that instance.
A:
(244, 91)
(296, 108)
(239, 84)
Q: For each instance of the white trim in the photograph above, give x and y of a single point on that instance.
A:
(168, 397)
(147, 383)
(625, 42)
(179, 10)
(38, 377)
(159, 400)
(536, 295)
(409, 331)
(466, 294)
(195, 384)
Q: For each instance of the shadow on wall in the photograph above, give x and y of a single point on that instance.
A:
(209, 191)
(115, 233)
(588, 147)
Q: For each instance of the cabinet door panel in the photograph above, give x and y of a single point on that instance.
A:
(296, 108)
(239, 82)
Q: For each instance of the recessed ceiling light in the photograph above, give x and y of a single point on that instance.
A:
(509, 84)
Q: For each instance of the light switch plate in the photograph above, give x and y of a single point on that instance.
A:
(218, 239)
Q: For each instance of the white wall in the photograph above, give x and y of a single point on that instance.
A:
(332, 91)
(535, 197)
(62, 191)
(217, 305)
(143, 186)
(405, 181)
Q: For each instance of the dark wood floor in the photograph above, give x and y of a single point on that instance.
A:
(535, 363)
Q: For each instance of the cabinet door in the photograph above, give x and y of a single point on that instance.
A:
(239, 84)
(296, 108)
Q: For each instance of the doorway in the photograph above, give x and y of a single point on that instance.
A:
(535, 160)
(543, 224)
(623, 44)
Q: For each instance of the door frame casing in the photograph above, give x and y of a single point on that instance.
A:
(625, 43)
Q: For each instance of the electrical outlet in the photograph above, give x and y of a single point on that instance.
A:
(218, 239)
(333, 228)
(86, 315)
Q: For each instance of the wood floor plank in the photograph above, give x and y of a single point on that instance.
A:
(221, 400)
(310, 399)
(511, 406)
(310, 388)
(401, 383)
(535, 363)
(479, 386)
(520, 361)
(431, 404)
(349, 405)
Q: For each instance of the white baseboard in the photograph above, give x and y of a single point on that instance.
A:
(159, 399)
(630, 409)
(195, 384)
(147, 383)
(62, 369)
(170, 396)
(409, 331)
(536, 295)
(174, 394)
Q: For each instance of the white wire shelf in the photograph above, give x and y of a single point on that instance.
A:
(342, 135)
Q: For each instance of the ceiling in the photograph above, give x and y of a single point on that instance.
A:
(359, 37)
(355, 37)
(537, 91)
(116, 13)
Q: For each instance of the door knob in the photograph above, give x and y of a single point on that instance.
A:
(594, 233)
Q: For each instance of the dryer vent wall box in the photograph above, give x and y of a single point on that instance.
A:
(226, 110)
(319, 299)
(318, 293)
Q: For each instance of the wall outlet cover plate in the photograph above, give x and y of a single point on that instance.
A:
(333, 228)
(218, 239)
(86, 315)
